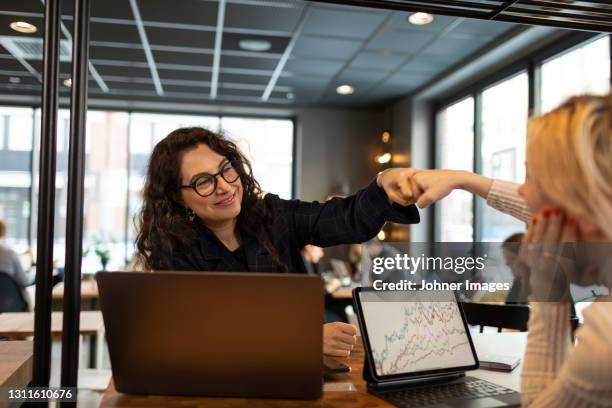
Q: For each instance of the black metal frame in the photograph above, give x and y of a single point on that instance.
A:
(590, 15)
(46, 201)
(76, 175)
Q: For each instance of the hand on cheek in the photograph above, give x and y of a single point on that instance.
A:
(543, 251)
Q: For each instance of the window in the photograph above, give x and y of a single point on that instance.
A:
(455, 214)
(16, 136)
(502, 150)
(268, 144)
(583, 70)
(105, 206)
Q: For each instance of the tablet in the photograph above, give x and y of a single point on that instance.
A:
(414, 333)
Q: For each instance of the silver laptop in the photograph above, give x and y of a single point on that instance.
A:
(418, 349)
(214, 334)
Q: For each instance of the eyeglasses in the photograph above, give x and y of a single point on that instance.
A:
(206, 184)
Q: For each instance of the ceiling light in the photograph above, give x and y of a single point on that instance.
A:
(15, 80)
(290, 96)
(386, 136)
(420, 18)
(255, 45)
(381, 235)
(384, 158)
(68, 82)
(345, 89)
(23, 27)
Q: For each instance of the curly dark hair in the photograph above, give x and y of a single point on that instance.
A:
(163, 226)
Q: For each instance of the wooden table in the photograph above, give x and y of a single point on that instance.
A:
(340, 390)
(89, 293)
(342, 294)
(21, 325)
(15, 365)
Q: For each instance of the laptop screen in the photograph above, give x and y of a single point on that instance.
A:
(413, 332)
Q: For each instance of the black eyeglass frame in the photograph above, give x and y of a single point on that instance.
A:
(239, 167)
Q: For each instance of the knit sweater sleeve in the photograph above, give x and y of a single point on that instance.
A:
(555, 374)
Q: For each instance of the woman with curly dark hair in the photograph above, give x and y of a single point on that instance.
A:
(204, 211)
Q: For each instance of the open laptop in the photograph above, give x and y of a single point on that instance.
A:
(214, 334)
(418, 348)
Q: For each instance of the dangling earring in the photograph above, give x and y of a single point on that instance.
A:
(190, 214)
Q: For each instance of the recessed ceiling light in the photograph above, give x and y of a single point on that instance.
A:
(420, 18)
(15, 80)
(255, 45)
(290, 96)
(23, 27)
(68, 82)
(345, 89)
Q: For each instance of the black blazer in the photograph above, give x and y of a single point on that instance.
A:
(353, 219)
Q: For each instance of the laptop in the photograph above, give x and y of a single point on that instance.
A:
(214, 334)
(418, 348)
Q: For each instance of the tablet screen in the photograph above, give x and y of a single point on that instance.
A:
(407, 332)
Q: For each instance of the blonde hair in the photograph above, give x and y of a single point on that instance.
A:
(569, 155)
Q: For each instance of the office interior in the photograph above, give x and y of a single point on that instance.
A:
(321, 96)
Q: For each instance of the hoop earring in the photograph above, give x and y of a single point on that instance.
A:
(190, 214)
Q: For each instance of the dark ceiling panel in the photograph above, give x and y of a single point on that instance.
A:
(24, 80)
(198, 90)
(313, 66)
(400, 41)
(230, 61)
(114, 32)
(182, 12)
(183, 75)
(325, 47)
(110, 9)
(452, 48)
(377, 60)
(262, 18)
(358, 25)
(247, 79)
(11, 65)
(231, 41)
(115, 53)
(182, 58)
(24, 6)
(130, 86)
(240, 92)
(180, 37)
(123, 71)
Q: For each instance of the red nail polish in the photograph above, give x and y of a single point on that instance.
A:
(546, 213)
(534, 221)
(570, 222)
(557, 212)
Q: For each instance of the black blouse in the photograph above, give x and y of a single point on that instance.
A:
(296, 223)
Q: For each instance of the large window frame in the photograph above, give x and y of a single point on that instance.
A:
(530, 64)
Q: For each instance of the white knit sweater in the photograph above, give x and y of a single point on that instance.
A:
(555, 373)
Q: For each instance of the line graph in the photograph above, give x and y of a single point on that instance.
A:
(416, 336)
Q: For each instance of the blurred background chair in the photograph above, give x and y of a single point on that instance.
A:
(11, 295)
(502, 316)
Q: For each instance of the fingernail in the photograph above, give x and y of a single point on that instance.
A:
(557, 212)
(570, 222)
(546, 213)
(534, 220)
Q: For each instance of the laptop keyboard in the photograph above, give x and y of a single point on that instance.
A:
(433, 394)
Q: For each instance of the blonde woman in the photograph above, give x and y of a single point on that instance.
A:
(569, 189)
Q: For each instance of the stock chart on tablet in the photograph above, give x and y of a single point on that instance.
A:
(414, 334)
